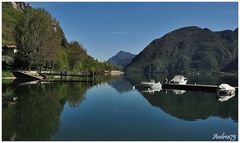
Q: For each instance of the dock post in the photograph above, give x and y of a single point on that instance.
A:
(61, 75)
(92, 75)
(65, 75)
(87, 77)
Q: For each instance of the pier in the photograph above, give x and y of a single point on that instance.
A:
(29, 75)
(90, 76)
(198, 87)
(51, 76)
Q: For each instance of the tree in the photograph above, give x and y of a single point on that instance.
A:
(10, 18)
(76, 54)
(37, 38)
(61, 61)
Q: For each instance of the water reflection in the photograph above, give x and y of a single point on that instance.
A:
(225, 98)
(191, 105)
(178, 92)
(49, 111)
(156, 87)
(121, 84)
(36, 115)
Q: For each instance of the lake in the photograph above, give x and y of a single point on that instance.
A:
(113, 110)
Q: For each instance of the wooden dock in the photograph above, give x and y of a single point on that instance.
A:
(26, 75)
(63, 80)
(62, 76)
(90, 76)
(195, 87)
(64, 73)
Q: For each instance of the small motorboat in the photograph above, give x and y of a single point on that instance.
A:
(225, 90)
(179, 79)
(156, 87)
(148, 83)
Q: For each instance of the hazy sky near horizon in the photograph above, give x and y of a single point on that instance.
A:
(106, 28)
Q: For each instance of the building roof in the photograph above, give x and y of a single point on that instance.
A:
(11, 46)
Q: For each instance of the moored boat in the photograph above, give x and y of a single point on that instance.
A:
(148, 83)
(225, 89)
(156, 87)
(179, 79)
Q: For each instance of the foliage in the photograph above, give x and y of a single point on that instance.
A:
(10, 18)
(61, 61)
(7, 62)
(188, 48)
(79, 60)
(75, 54)
(37, 38)
(231, 67)
(7, 74)
(42, 44)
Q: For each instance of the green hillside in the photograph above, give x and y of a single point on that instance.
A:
(41, 42)
(10, 18)
(188, 48)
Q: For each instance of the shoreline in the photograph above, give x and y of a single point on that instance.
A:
(9, 78)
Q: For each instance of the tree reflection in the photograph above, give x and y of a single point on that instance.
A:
(191, 105)
(194, 105)
(36, 115)
(76, 94)
(8, 122)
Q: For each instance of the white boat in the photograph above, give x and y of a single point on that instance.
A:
(148, 83)
(156, 87)
(225, 89)
(179, 79)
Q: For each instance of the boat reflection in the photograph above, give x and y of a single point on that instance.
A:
(191, 105)
(179, 92)
(156, 87)
(225, 98)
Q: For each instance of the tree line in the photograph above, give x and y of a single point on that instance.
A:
(42, 45)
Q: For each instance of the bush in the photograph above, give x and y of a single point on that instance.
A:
(7, 74)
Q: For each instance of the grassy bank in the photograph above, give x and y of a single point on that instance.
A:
(7, 74)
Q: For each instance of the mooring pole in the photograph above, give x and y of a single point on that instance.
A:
(61, 75)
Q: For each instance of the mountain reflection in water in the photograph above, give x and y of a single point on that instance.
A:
(191, 105)
(81, 111)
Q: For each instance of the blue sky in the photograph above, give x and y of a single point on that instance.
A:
(106, 28)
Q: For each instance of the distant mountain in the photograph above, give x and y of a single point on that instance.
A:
(188, 48)
(231, 67)
(121, 59)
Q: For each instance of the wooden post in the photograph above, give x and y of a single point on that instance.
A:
(65, 75)
(61, 75)
(92, 75)
(95, 76)
(87, 76)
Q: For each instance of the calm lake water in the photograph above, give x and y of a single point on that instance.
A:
(113, 110)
